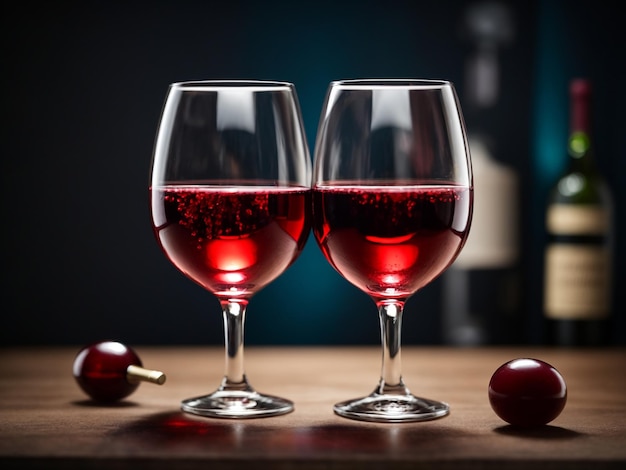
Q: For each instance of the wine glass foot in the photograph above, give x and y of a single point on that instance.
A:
(237, 404)
(392, 408)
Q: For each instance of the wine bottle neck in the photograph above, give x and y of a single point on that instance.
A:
(580, 111)
(579, 144)
(581, 154)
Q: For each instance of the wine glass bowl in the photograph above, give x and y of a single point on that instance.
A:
(392, 205)
(230, 203)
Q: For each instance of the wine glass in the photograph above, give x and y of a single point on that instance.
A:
(230, 202)
(392, 205)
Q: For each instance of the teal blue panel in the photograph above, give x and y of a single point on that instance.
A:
(551, 109)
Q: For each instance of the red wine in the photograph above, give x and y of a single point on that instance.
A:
(390, 241)
(231, 240)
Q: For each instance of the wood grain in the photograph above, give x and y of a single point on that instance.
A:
(48, 422)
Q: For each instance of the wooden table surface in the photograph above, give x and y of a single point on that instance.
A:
(48, 422)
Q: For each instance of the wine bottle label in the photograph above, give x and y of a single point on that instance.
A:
(577, 219)
(577, 281)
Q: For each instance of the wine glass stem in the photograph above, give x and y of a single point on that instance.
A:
(390, 314)
(234, 311)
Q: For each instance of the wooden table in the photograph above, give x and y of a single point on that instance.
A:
(47, 421)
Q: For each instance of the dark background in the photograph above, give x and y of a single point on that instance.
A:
(83, 87)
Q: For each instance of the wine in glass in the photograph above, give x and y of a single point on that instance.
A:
(230, 202)
(392, 205)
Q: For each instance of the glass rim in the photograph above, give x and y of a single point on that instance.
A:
(406, 83)
(238, 84)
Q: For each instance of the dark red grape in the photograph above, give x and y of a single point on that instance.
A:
(108, 371)
(527, 392)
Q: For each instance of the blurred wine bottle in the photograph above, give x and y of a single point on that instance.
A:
(578, 271)
(480, 290)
